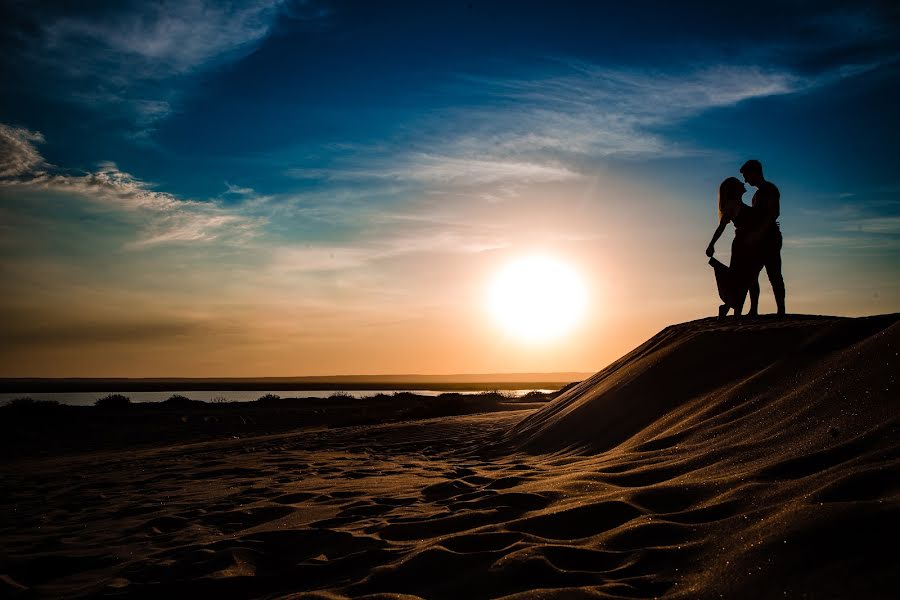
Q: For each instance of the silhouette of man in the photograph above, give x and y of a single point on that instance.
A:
(768, 200)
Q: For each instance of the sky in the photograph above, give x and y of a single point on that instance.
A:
(267, 188)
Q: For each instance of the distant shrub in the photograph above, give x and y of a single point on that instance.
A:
(20, 402)
(341, 396)
(269, 398)
(219, 400)
(534, 394)
(496, 395)
(178, 400)
(28, 403)
(113, 401)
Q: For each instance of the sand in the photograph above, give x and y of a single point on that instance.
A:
(758, 459)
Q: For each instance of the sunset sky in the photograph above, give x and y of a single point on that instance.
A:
(202, 188)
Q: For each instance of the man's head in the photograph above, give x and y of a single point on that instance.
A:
(752, 172)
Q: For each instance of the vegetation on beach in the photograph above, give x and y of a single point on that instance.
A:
(113, 401)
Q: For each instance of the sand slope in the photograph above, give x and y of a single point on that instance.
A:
(752, 460)
(766, 375)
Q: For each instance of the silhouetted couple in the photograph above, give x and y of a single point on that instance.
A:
(757, 241)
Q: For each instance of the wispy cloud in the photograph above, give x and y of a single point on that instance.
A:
(600, 111)
(884, 224)
(162, 38)
(441, 169)
(396, 236)
(132, 57)
(18, 155)
(519, 131)
(841, 243)
(162, 217)
(844, 39)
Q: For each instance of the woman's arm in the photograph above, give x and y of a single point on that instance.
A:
(710, 250)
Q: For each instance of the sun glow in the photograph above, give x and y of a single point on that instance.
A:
(537, 299)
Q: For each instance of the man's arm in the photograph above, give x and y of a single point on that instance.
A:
(771, 209)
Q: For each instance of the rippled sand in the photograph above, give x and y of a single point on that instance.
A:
(750, 460)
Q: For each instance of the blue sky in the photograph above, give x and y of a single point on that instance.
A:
(250, 188)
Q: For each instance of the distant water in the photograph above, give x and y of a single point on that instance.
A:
(88, 398)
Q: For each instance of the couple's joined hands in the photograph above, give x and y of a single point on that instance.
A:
(710, 250)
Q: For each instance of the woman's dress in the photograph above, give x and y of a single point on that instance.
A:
(747, 260)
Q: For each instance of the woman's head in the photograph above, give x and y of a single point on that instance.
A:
(730, 192)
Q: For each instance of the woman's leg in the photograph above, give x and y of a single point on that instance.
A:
(740, 295)
(754, 297)
(745, 277)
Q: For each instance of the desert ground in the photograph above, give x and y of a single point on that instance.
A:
(720, 459)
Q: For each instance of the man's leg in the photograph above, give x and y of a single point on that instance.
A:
(773, 270)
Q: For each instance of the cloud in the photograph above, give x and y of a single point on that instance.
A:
(878, 225)
(18, 155)
(162, 217)
(600, 111)
(848, 37)
(839, 244)
(130, 60)
(42, 327)
(440, 239)
(319, 258)
(157, 39)
(441, 169)
(516, 131)
(239, 190)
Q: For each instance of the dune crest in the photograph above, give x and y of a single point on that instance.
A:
(744, 382)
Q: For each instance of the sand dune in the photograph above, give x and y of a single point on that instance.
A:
(762, 377)
(738, 460)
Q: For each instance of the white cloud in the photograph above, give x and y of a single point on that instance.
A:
(130, 60)
(238, 190)
(162, 38)
(544, 129)
(18, 155)
(162, 217)
(192, 225)
(442, 169)
(318, 258)
(598, 111)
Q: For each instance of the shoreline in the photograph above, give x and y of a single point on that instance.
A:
(33, 428)
(449, 383)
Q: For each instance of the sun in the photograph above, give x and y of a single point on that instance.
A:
(537, 298)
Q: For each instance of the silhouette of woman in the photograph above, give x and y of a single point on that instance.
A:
(735, 279)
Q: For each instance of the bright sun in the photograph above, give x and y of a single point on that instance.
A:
(537, 299)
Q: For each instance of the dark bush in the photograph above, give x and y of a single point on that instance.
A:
(178, 400)
(494, 395)
(30, 404)
(269, 398)
(113, 401)
(341, 396)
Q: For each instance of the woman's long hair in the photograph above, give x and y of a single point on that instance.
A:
(730, 192)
